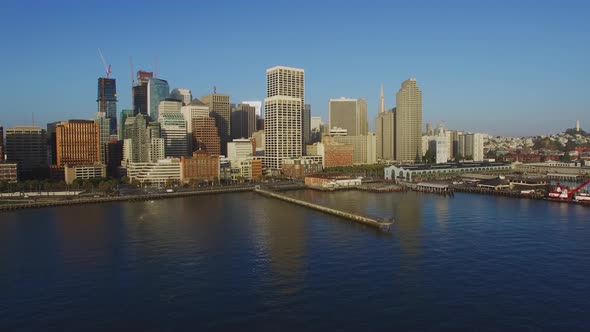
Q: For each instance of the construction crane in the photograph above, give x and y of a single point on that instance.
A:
(107, 68)
(565, 193)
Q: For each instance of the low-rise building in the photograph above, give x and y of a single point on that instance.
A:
(426, 171)
(200, 167)
(84, 172)
(300, 167)
(364, 150)
(8, 172)
(157, 174)
(554, 167)
(331, 180)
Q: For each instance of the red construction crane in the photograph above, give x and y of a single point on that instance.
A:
(107, 68)
(571, 194)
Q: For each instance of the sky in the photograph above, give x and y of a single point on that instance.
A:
(511, 68)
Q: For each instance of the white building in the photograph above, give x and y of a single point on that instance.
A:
(192, 110)
(316, 123)
(337, 131)
(239, 149)
(157, 149)
(84, 172)
(258, 137)
(442, 145)
(157, 174)
(173, 128)
(283, 107)
(471, 146)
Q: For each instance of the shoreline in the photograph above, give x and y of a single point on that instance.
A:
(136, 198)
(159, 196)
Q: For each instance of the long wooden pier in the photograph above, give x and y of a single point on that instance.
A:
(372, 222)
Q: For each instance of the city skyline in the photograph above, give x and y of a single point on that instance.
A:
(505, 63)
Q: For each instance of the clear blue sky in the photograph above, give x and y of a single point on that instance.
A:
(502, 67)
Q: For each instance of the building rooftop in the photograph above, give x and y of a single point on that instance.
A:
(196, 102)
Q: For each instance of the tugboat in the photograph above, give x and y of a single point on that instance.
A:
(562, 193)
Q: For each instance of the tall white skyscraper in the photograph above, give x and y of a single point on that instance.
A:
(173, 128)
(283, 107)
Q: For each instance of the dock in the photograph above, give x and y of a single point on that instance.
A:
(372, 222)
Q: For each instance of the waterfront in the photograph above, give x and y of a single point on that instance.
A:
(242, 261)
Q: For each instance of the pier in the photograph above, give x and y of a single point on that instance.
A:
(372, 222)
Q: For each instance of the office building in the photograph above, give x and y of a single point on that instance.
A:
(243, 121)
(27, 147)
(161, 173)
(107, 101)
(122, 118)
(157, 91)
(78, 143)
(239, 149)
(140, 93)
(184, 95)
(363, 148)
(1, 144)
(205, 135)
(8, 172)
(316, 127)
(84, 172)
(157, 149)
(408, 122)
(283, 108)
(349, 114)
(385, 135)
(114, 157)
(258, 138)
(306, 127)
(442, 145)
(137, 139)
(219, 108)
(195, 108)
(173, 128)
(257, 106)
(300, 167)
(471, 146)
(333, 153)
(200, 167)
(104, 131)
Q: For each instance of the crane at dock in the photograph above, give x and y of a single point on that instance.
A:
(566, 193)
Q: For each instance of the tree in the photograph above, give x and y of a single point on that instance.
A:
(566, 157)
(458, 157)
(430, 156)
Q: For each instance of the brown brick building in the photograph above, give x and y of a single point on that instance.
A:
(300, 167)
(77, 143)
(200, 166)
(205, 135)
(336, 154)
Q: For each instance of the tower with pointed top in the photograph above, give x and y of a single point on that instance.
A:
(381, 101)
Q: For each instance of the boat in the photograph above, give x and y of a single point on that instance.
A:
(582, 197)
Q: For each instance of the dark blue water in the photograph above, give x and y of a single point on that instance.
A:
(243, 262)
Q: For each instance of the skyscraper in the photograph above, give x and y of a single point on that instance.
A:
(257, 105)
(243, 121)
(137, 139)
(184, 95)
(385, 135)
(78, 143)
(107, 101)
(283, 108)
(26, 146)
(103, 123)
(306, 126)
(219, 108)
(157, 91)
(205, 135)
(173, 128)
(194, 109)
(122, 118)
(381, 101)
(408, 122)
(349, 114)
(140, 93)
(1, 144)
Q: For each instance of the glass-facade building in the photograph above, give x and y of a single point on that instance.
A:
(157, 91)
(107, 101)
